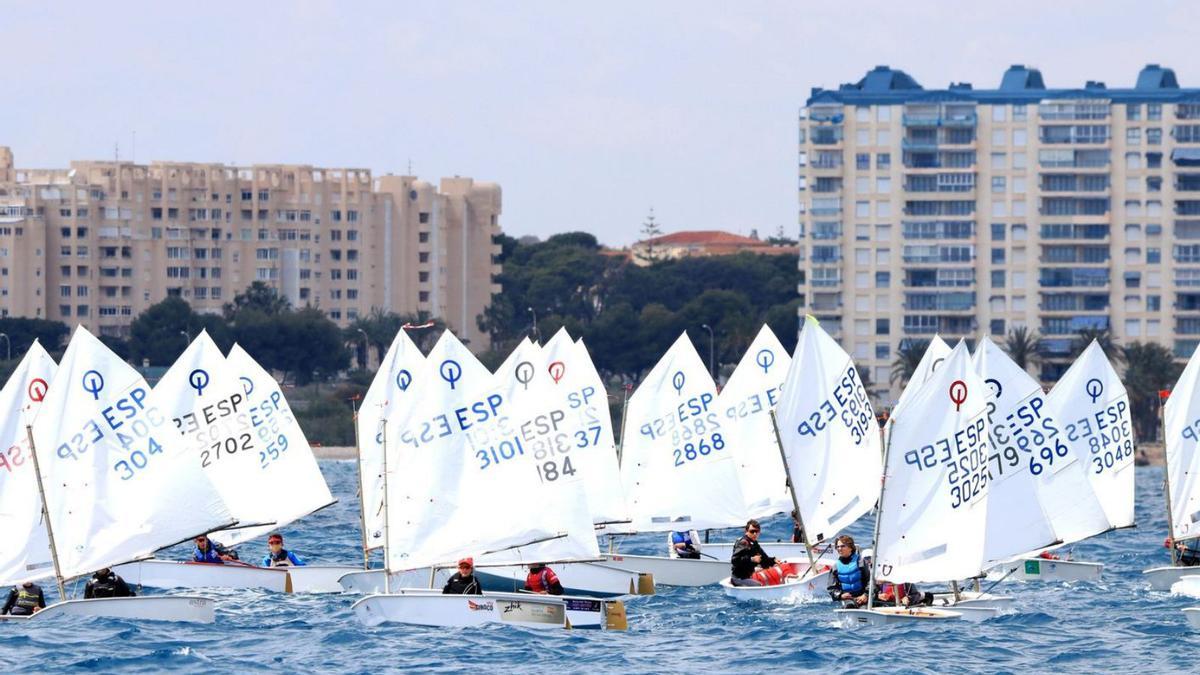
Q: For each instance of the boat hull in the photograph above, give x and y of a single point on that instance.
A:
(318, 578)
(673, 571)
(1188, 585)
(176, 574)
(1041, 569)
(185, 608)
(1193, 616)
(367, 582)
(1162, 578)
(593, 579)
(796, 590)
(975, 606)
(424, 607)
(886, 616)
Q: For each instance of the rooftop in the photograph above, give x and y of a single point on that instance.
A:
(884, 85)
(702, 238)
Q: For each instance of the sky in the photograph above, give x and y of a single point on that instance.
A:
(587, 114)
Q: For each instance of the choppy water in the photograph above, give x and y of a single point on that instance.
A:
(1114, 625)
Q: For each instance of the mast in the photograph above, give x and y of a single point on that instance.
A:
(37, 471)
(624, 413)
(812, 563)
(387, 573)
(362, 504)
(1162, 418)
(887, 446)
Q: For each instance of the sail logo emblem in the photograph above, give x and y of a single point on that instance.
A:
(1094, 388)
(403, 379)
(37, 389)
(93, 382)
(199, 380)
(765, 359)
(450, 371)
(958, 393)
(558, 370)
(480, 606)
(247, 384)
(677, 382)
(524, 373)
(997, 388)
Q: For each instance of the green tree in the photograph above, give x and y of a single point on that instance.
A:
(1101, 335)
(22, 332)
(260, 297)
(908, 356)
(308, 346)
(1022, 346)
(1150, 368)
(157, 334)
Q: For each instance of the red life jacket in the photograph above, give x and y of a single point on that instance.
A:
(540, 582)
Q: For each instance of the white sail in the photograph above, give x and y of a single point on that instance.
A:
(1019, 429)
(746, 402)
(933, 513)
(677, 463)
(118, 484)
(830, 434)
(581, 393)
(1182, 418)
(461, 476)
(24, 548)
(383, 398)
(931, 360)
(287, 479)
(1092, 408)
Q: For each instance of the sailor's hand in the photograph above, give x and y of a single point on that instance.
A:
(757, 558)
(846, 596)
(226, 557)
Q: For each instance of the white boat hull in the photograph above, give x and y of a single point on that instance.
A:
(885, 616)
(1162, 578)
(188, 608)
(794, 590)
(367, 582)
(1188, 585)
(975, 606)
(177, 574)
(673, 571)
(1193, 616)
(319, 578)
(780, 550)
(424, 607)
(593, 579)
(1041, 569)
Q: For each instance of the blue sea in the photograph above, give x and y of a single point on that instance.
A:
(1113, 625)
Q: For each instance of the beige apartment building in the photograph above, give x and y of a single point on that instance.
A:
(968, 212)
(98, 243)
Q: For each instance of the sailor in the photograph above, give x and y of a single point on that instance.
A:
(107, 584)
(1188, 556)
(209, 551)
(24, 600)
(278, 556)
(748, 557)
(851, 574)
(684, 546)
(463, 582)
(542, 579)
(797, 530)
(904, 595)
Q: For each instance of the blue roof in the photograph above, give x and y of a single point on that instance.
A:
(1020, 84)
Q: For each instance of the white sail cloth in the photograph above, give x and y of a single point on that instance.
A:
(933, 514)
(118, 484)
(746, 402)
(931, 360)
(829, 434)
(285, 477)
(24, 547)
(383, 398)
(1092, 408)
(677, 464)
(1182, 418)
(1019, 430)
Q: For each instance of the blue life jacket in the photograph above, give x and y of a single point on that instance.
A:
(849, 575)
(208, 555)
(682, 538)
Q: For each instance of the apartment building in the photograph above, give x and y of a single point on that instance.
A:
(967, 212)
(99, 242)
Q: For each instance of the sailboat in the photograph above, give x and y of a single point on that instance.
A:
(232, 418)
(115, 484)
(932, 517)
(825, 434)
(467, 477)
(1181, 488)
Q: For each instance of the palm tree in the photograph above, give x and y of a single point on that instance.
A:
(1150, 368)
(1101, 335)
(908, 356)
(1022, 346)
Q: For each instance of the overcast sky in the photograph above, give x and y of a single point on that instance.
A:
(587, 114)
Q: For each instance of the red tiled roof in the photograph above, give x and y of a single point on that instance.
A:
(703, 237)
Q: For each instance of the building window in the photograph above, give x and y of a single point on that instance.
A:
(1133, 136)
(862, 161)
(1133, 111)
(997, 327)
(999, 184)
(423, 217)
(998, 278)
(1154, 136)
(1153, 255)
(883, 326)
(423, 237)
(997, 255)
(883, 160)
(423, 296)
(1154, 111)
(999, 113)
(423, 257)
(1153, 303)
(1019, 114)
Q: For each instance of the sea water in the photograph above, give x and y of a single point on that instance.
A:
(1116, 624)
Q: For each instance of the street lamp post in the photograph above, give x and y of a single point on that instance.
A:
(366, 346)
(7, 347)
(712, 350)
(186, 337)
(537, 335)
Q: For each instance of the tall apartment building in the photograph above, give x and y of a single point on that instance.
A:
(969, 212)
(98, 243)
